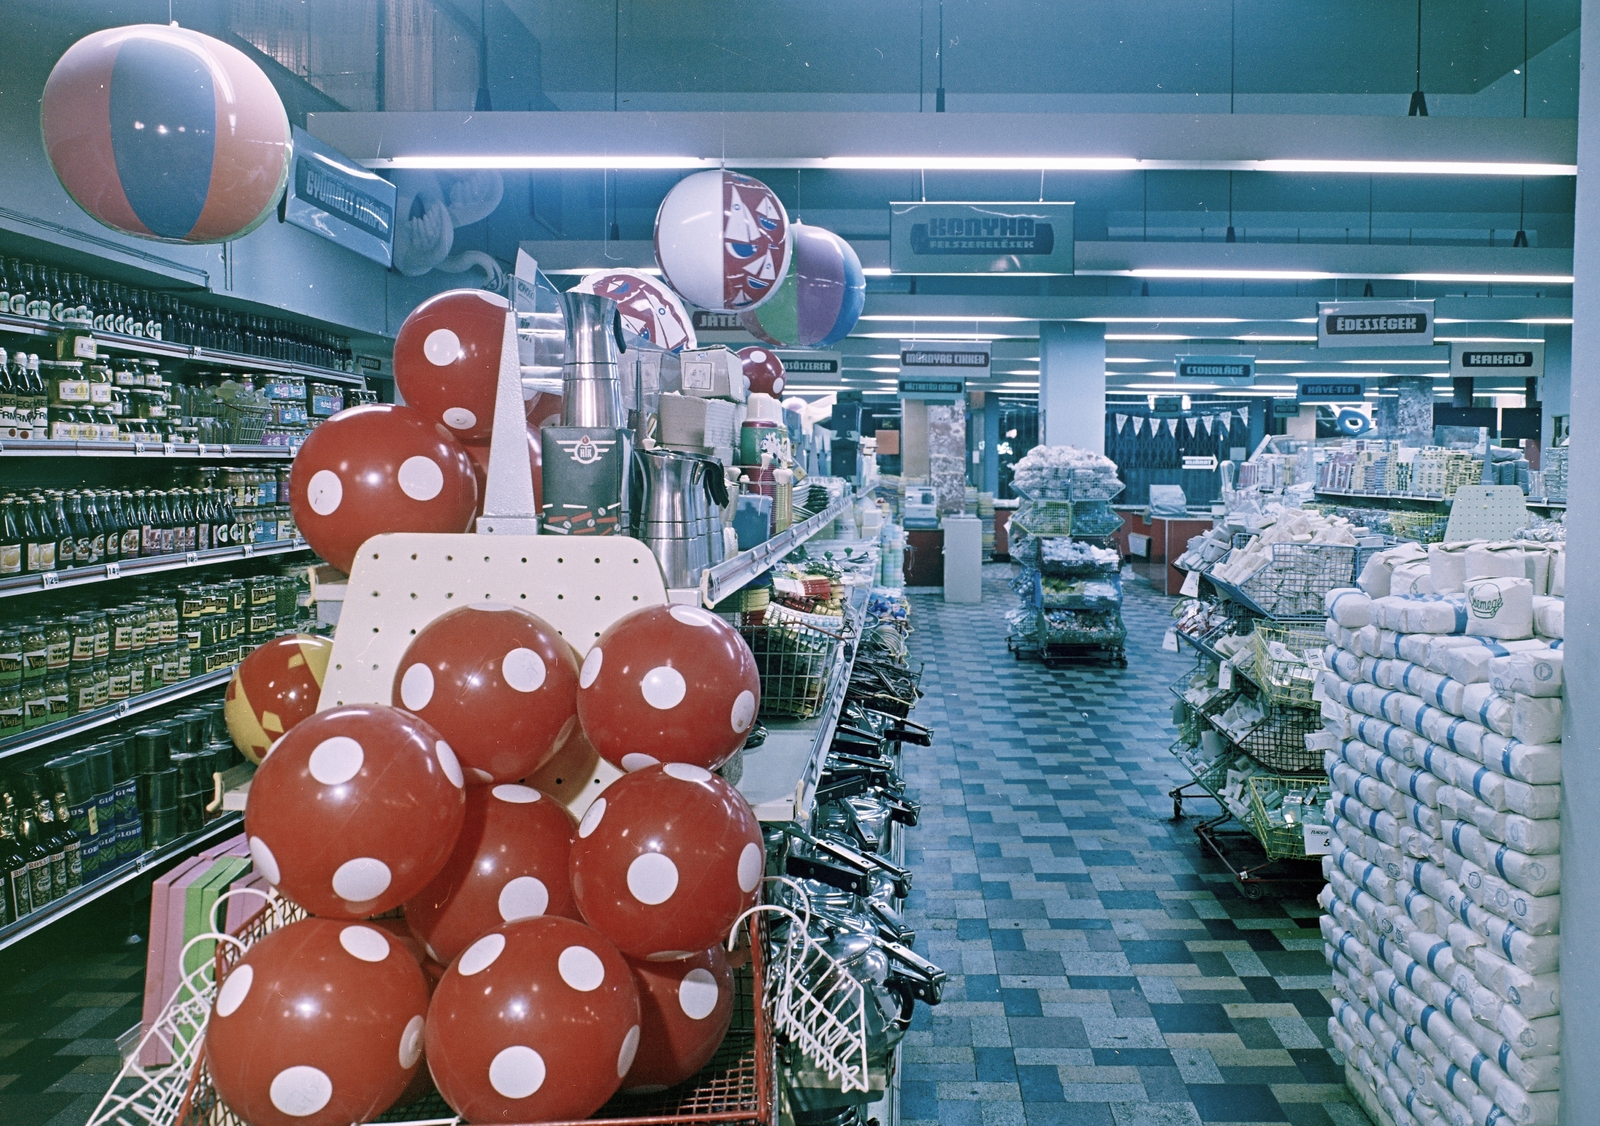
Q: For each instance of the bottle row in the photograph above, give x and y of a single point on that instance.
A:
(127, 399)
(52, 529)
(96, 809)
(57, 665)
(70, 300)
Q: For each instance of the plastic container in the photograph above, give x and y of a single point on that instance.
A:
(158, 790)
(160, 827)
(152, 749)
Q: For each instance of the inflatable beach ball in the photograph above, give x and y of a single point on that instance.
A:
(648, 309)
(723, 241)
(821, 300)
(165, 133)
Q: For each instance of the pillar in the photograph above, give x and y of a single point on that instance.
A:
(1580, 764)
(1461, 391)
(1072, 385)
(1414, 410)
(1555, 389)
(991, 444)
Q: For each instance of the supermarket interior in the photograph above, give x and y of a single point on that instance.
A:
(1070, 622)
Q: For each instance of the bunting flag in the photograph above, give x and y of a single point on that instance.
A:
(1122, 420)
(1188, 424)
(1172, 426)
(1138, 425)
(1244, 415)
(1206, 420)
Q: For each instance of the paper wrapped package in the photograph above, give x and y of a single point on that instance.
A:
(1535, 672)
(1379, 569)
(1558, 571)
(1411, 579)
(1500, 607)
(1350, 606)
(1509, 560)
(1549, 617)
(1470, 663)
(1447, 565)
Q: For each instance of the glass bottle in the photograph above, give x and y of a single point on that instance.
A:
(21, 289)
(82, 535)
(129, 523)
(5, 286)
(54, 844)
(164, 519)
(38, 857)
(71, 841)
(66, 538)
(39, 391)
(149, 530)
(10, 413)
(108, 522)
(30, 536)
(49, 537)
(18, 890)
(97, 531)
(12, 549)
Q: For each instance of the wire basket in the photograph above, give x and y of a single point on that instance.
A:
(244, 424)
(1293, 581)
(1081, 627)
(1281, 839)
(1044, 517)
(1288, 658)
(1278, 742)
(794, 655)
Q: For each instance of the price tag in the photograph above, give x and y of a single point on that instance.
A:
(200, 449)
(138, 448)
(1191, 585)
(113, 570)
(1318, 839)
(227, 450)
(1169, 642)
(1225, 676)
(191, 557)
(166, 449)
(49, 579)
(249, 550)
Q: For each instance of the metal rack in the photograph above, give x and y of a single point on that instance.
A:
(111, 713)
(733, 574)
(209, 451)
(144, 565)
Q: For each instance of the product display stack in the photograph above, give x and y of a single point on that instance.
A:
(1441, 738)
(1070, 584)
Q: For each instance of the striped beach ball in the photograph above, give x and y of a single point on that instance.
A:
(722, 240)
(819, 303)
(165, 133)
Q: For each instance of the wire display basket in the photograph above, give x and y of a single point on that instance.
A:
(1278, 742)
(1270, 796)
(1293, 580)
(1044, 517)
(1081, 627)
(794, 656)
(1288, 658)
(245, 424)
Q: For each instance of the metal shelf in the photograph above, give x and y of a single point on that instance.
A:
(88, 721)
(222, 827)
(146, 565)
(1556, 505)
(780, 776)
(1419, 498)
(183, 353)
(733, 574)
(158, 450)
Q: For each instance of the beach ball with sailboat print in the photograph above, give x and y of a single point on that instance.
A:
(649, 310)
(723, 241)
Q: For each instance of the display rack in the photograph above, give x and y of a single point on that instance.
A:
(84, 722)
(196, 451)
(146, 864)
(731, 575)
(142, 566)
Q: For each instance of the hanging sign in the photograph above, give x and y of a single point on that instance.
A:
(980, 238)
(937, 369)
(332, 196)
(1330, 390)
(809, 363)
(1367, 324)
(1207, 463)
(710, 320)
(1523, 358)
(1228, 371)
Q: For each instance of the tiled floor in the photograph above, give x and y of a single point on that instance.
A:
(1103, 969)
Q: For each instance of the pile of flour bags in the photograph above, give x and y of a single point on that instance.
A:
(1441, 699)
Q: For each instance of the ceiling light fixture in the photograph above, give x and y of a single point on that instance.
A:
(540, 162)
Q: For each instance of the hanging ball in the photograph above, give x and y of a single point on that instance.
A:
(649, 310)
(509, 863)
(374, 469)
(668, 684)
(447, 359)
(722, 240)
(536, 1021)
(165, 133)
(355, 810)
(685, 1008)
(763, 369)
(821, 300)
(275, 687)
(320, 1023)
(666, 859)
(499, 684)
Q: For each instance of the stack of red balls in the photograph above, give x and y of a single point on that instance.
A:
(542, 964)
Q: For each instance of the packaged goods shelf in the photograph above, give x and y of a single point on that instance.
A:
(210, 451)
(88, 721)
(780, 776)
(145, 565)
(1419, 498)
(183, 353)
(733, 574)
(146, 864)
(1554, 505)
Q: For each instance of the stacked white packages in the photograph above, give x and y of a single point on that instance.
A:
(1441, 738)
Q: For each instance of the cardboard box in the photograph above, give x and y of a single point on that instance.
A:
(889, 443)
(712, 373)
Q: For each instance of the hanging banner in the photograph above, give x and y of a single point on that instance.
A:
(1138, 425)
(1330, 391)
(937, 369)
(1121, 421)
(1368, 324)
(1206, 420)
(331, 195)
(1523, 358)
(980, 238)
(1172, 427)
(1226, 371)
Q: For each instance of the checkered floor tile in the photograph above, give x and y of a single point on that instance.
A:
(1103, 968)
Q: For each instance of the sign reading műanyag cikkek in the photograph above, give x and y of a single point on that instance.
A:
(1368, 324)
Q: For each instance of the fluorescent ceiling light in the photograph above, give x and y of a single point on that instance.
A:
(601, 269)
(876, 271)
(1143, 336)
(977, 336)
(1221, 274)
(892, 370)
(1168, 320)
(981, 163)
(1415, 167)
(1224, 274)
(538, 161)
(1489, 279)
(955, 320)
(1172, 386)
(1488, 340)
(1440, 361)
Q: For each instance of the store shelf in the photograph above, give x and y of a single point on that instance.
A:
(1420, 498)
(1553, 505)
(145, 565)
(38, 737)
(192, 451)
(733, 574)
(183, 353)
(147, 864)
(780, 776)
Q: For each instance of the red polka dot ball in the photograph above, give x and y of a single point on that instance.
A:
(509, 863)
(668, 684)
(500, 684)
(763, 369)
(320, 1023)
(447, 359)
(355, 810)
(666, 859)
(374, 469)
(538, 1020)
(685, 1008)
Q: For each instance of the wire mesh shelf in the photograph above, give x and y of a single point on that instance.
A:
(1284, 839)
(1288, 658)
(794, 656)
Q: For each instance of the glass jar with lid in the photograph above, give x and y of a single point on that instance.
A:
(83, 630)
(58, 645)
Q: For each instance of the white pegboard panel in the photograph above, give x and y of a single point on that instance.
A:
(1486, 512)
(403, 581)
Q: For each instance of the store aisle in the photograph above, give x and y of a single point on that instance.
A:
(1102, 969)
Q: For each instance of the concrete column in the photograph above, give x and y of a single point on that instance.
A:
(1461, 391)
(991, 444)
(1072, 385)
(1580, 747)
(1555, 389)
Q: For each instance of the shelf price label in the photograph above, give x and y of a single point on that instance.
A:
(49, 579)
(113, 570)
